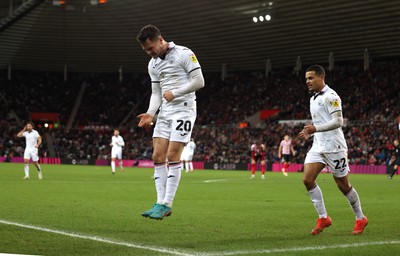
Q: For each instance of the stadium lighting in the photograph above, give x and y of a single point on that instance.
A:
(262, 18)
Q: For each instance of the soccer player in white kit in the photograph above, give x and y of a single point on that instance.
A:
(117, 142)
(33, 141)
(187, 155)
(329, 148)
(284, 152)
(175, 76)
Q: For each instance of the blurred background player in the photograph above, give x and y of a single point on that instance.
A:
(187, 155)
(396, 159)
(284, 152)
(117, 142)
(257, 155)
(33, 141)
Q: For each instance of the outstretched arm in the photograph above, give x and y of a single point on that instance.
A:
(146, 119)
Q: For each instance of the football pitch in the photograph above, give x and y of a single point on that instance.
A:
(85, 210)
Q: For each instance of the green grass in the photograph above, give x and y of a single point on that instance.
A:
(230, 214)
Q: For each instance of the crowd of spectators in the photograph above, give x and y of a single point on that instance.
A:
(28, 92)
(369, 105)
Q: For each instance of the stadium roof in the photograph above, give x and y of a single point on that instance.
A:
(102, 37)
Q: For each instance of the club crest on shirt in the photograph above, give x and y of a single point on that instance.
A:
(335, 103)
(193, 58)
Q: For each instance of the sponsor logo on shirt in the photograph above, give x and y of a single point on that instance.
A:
(193, 58)
(335, 103)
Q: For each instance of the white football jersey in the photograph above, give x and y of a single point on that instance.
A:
(286, 146)
(31, 138)
(172, 72)
(191, 146)
(322, 106)
(117, 142)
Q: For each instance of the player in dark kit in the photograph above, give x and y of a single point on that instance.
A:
(396, 162)
(257, 155)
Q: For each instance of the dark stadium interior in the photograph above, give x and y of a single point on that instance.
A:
(53, 53)
(101, 38)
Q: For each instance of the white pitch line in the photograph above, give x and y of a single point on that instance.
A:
(220, 180)
(180, 253)
(99, 239)
(298, 249)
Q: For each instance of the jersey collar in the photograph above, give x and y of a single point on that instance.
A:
(326, 87)
(171, 45)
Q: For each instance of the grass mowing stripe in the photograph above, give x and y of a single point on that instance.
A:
(98, 239)
(298, 249)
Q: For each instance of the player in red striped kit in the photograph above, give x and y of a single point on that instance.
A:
(285, 148)
(257, 154)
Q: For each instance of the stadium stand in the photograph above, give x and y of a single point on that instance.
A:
(369, 105)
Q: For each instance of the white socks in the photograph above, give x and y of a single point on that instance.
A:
(352, 198)
(191, 166)
(174, 176)
(26, 170)
(121, 165)
(318, 201)
(354, 201)
(187, 166)
(160, 179)
(113, 166)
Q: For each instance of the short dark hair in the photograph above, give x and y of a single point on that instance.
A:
(148, 32)
(318, 69)
(31, 123)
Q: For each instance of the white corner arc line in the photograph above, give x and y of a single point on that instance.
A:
(298, 249)
(98, 239)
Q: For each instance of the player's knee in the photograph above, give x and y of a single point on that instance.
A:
(158, 158)
(308, 182)
(173, 158)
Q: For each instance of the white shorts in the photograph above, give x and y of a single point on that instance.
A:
(31, 153)
(176, 127)
(116, 154)
(187, 157)
(336, 161)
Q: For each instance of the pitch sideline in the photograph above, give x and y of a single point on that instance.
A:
(181, 253)
(98, 239)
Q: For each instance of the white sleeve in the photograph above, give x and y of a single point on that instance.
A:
(336, 122)
(333, 104)
(121, 142)
(196, 82)
(155, 98)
